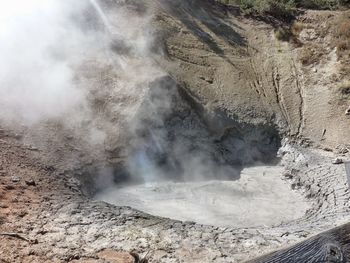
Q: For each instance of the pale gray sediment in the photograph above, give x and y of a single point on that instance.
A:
(309, 173)
(260, 197)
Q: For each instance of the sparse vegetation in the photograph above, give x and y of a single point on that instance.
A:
(283, 9)
(320, 4)
(344, 90)
(342, 35)
(296, 28)
(310, 55)
(289, 33)
(283, 33)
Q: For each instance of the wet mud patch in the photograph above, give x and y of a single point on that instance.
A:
(259, 198)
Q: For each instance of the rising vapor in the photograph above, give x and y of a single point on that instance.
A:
(38, 46)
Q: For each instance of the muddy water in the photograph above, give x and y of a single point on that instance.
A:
(259, 197)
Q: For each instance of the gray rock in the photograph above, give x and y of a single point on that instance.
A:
(15, 179)
(337, 161)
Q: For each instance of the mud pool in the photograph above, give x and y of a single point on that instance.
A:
(259, 198)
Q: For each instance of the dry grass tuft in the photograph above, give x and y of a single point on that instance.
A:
(344, 27)
(310, 55)
(343, 93)
(344, 89)
(296, 28)
(290, 33)
(342, 46)
(283, 34)
(342, 35)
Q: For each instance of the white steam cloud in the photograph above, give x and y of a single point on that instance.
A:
(72, 63)
(81, 76)
(38, 45)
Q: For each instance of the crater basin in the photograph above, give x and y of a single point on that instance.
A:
(259, 198)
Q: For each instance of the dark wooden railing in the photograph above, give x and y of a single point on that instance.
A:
(330, 246)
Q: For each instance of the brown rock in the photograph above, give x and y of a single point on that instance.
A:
(30, 182)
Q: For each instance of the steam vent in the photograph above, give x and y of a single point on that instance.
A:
(174, 131)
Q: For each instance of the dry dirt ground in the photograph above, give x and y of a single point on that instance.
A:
(31, 193)
(236, 69)
(237, 65)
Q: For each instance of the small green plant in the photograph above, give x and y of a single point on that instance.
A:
(282, 9)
